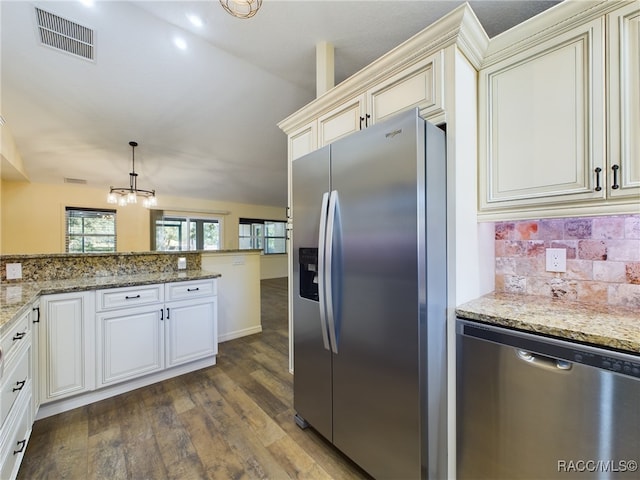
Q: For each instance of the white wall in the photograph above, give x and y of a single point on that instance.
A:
(238, 292)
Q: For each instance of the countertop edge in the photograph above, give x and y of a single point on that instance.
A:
(608, 326)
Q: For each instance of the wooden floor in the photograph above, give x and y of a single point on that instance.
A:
(230, 421)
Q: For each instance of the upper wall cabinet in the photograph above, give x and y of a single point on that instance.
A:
(416, 74)
(416, 86)
(624, 101)
(547, 116)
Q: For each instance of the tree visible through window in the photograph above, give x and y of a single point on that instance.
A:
(90, 230)
(267, 235)
(186, 233)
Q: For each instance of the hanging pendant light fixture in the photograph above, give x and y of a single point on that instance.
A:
(241, 8)
(125, 195)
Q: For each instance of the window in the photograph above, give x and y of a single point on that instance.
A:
(174, 232)
(270, 236)
(90, 230)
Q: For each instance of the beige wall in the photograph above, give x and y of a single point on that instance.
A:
(32, 216)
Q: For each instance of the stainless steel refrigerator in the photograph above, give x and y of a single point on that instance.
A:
(369, 296)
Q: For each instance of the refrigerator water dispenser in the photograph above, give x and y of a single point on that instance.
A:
(308, 258)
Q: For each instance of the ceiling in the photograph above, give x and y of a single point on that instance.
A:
(205, 117)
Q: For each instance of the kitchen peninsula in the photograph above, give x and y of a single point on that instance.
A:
(75, 329)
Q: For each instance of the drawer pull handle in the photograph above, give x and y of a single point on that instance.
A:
(193, 289)
(131, 297)
(598, 187)
(21, 444)
(162, 314)
(615, 169)
(19, 384)
(168, 313)
(19, 336)
(37, 320)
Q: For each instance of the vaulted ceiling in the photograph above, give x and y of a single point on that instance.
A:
(205, 116)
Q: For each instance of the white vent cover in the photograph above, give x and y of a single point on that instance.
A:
(79, 181)
(65, 35)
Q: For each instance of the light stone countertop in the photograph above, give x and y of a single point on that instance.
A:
(606, 326)
(17, 297)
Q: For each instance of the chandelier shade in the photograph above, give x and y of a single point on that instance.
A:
(241, 8)
(126, 195)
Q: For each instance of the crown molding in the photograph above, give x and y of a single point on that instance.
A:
(459, 27)
(546, 25)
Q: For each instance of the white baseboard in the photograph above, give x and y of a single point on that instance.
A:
(239, 333)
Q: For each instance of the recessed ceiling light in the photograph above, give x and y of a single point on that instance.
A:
(180, 43)
(87, 3)
(195, 20)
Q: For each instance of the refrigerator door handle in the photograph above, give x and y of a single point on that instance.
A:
(331, 223)
(321, 273)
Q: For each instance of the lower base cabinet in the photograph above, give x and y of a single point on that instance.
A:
(129, 344)
(137, 341)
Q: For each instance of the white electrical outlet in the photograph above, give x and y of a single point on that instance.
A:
(556, 259)
(182, 263)
(14, 271)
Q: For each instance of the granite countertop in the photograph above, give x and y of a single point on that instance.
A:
(607, 326)
(17, 297)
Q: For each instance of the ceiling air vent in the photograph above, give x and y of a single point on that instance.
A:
(79, 181)
(65, 35)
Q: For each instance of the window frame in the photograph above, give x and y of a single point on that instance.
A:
(188, 219)
(260, 241)
(86, 214)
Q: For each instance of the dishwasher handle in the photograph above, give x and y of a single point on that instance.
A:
(543, 361)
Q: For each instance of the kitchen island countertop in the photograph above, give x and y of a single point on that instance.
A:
(17, 297)
(606, 326)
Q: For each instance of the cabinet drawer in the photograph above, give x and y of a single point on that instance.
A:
(113, 298)
(13, 383)
(186, 290)
(15, 336)
(13, 450)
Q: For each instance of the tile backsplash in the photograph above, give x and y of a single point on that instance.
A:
(603, 258)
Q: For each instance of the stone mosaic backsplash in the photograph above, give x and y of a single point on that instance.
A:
(603, 258)
(37, 268)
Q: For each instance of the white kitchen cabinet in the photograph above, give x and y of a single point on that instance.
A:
(16, 407)
(130, 343)
(35, 352)
(419, 86)
(542, 129)
(191, 322)
(67, 345)
(342, 121)
(624, 102)
(304, 140)
(134, 341)
(191, 330)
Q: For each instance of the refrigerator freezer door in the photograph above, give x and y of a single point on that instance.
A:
(379, 176)
(312, 362)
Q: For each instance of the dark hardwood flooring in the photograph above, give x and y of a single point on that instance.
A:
(230, 421)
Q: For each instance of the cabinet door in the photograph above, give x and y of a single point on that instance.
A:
(419, 85)
(192, 330)
(66, 345)
(542, 123)
(35, 352)
(624, 101)
(303, 140)
(342, 121)
(130, 343)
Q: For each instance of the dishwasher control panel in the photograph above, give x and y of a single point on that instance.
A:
(617, 362)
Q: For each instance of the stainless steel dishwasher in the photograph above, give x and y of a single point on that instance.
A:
(533, 407)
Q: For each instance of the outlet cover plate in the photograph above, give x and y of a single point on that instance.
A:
(14, 271)
(556, 259)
